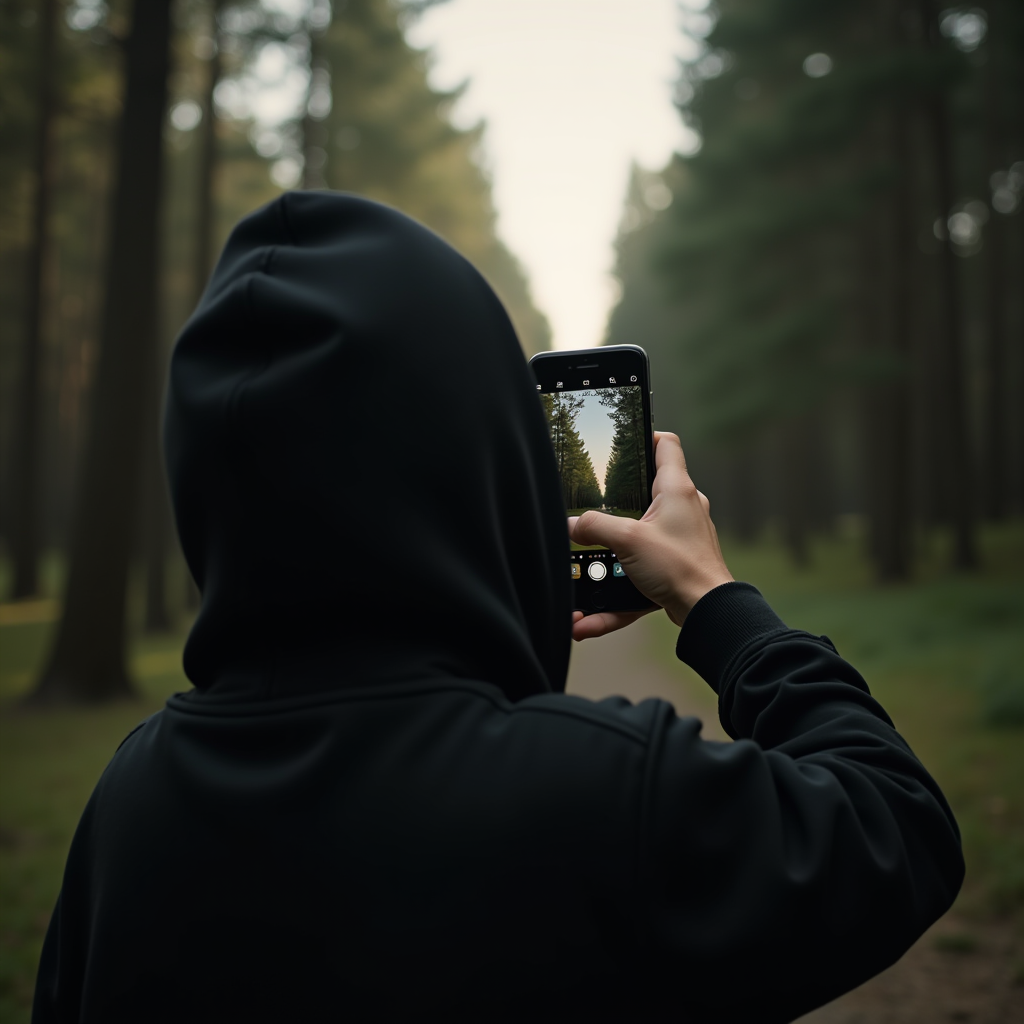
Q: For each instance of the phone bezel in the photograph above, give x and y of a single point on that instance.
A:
(610, 594)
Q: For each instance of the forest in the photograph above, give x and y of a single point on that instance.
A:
(830, 288)
(625, 481)
(105, 249)
(580, 487)
(624, 488)
(829, 282)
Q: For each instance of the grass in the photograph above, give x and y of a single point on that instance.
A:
(944, 654)
(956, 942)
(49, 764)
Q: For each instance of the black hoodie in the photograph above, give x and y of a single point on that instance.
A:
(377, 803)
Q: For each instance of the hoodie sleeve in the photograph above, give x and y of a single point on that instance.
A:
(792, 865)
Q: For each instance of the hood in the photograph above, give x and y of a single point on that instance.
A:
(361, 476)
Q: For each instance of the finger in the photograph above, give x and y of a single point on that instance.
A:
(602, 623)
(600, 528)
(672, 450)
(670, 475)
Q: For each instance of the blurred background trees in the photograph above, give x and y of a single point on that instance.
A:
(251, 97)
(830, 288)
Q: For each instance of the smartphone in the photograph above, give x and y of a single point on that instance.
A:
(597, 403)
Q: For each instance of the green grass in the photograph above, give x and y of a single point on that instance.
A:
(956, 942)
(49, 763)
(944, 654)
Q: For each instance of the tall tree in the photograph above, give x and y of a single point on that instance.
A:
(87, 662)
(625, 481)
(995, 421)
(889, 409)
(25, 479)
(206, 183)
(315, 140)
(958, 454)
(801, 269)
(210, 52)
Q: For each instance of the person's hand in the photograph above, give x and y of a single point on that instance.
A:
(671, 554)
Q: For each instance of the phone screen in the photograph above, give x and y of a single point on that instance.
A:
(597, 408)
(598, 437)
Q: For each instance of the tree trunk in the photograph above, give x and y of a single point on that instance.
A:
(994, 419)
(796, 481)
(747, 499)
(894, 534)
(959, 465)
(88, 662)
(206, 204)
(25, 478)
(314, 129)
(872, 332)
(156, 532)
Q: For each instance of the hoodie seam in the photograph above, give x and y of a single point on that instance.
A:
(498, 701)
(141, 724)
(624, 730)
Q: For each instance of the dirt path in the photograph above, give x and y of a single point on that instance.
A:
(632, 663)
(961, 970)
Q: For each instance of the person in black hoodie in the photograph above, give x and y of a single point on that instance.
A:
(377, 803)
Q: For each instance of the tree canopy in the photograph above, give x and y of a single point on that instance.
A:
(826, 296)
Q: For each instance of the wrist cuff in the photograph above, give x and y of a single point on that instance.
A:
(720, 625)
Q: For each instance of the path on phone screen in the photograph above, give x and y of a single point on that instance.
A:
(962, 969)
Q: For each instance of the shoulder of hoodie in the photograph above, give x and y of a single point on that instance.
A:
(616, 716)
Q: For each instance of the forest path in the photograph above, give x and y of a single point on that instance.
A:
(636, 663)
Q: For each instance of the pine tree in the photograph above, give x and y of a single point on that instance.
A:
(580, 487)
(795, 277)
(625, 483)
(88, 659)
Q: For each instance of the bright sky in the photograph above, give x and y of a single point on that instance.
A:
(597, 430)
(572, 91)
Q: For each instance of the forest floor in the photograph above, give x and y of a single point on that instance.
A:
(944, 654)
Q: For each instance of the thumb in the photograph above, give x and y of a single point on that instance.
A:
(598, 528)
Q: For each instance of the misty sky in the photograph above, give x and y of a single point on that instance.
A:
(572, 91)
(596, 428)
